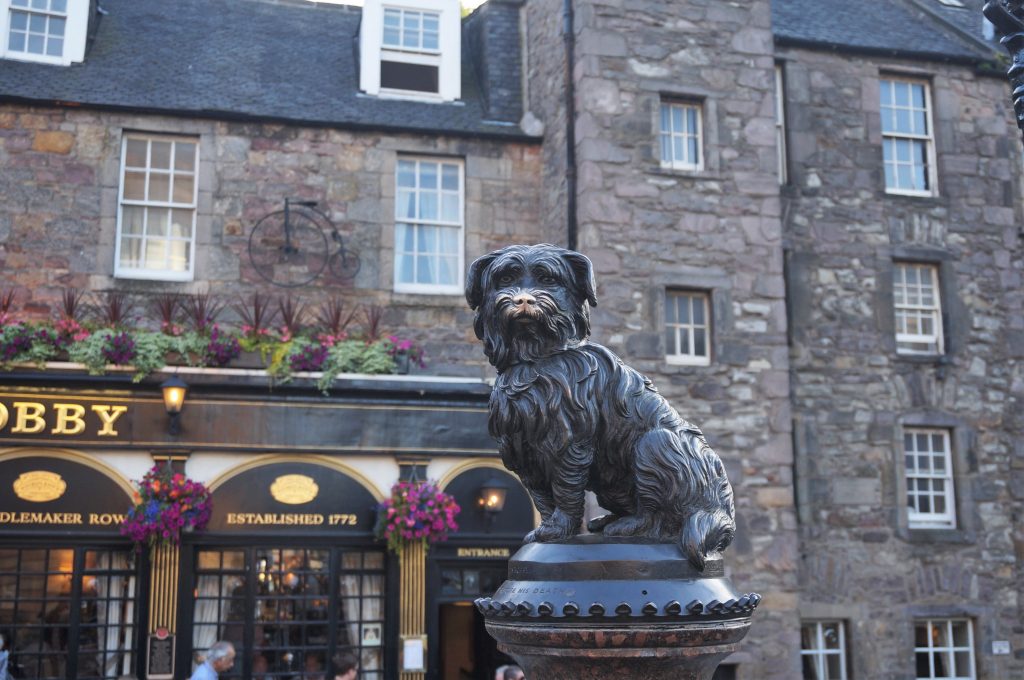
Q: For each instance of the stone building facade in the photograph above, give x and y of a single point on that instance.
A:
(651, 137)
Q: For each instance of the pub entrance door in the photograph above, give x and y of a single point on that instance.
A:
(467, 652)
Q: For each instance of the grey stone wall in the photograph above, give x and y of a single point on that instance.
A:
(545, 99)
(647, 228)
(493, 32)
(853, 395)
(58, 210)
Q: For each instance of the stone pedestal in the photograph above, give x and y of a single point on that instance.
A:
(622, 610)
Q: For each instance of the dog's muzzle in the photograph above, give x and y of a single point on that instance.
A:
(520, 306)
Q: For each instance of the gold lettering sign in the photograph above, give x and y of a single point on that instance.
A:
(294, 489)
(31, 417)
(39, 486)
(484, 552)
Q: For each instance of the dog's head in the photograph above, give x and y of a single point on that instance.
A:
(530, 301)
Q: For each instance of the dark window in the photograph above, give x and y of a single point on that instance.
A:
(70, 612)
(291, 609)
(396, 75)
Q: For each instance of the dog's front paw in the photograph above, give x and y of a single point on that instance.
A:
(555, 528)
(631, 525)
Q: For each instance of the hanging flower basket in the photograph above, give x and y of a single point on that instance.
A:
(415, 511)
(166, 503)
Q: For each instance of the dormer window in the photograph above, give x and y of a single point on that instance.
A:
(49, 31)
(412, 50)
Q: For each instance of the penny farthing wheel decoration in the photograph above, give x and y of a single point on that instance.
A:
(289, 247)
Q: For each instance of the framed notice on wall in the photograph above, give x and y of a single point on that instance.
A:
(160, 656)
(414, 652)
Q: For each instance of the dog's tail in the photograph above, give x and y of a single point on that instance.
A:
(706, 533)
(711, 523)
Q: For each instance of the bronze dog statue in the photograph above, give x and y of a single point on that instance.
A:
(569, 416)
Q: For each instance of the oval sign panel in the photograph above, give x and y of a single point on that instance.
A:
(39, 486)
(294, 489)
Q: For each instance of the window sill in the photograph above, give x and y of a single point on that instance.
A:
(687, 361)
(910, 197)
(952, 536)
(679, 173)
(924, 359)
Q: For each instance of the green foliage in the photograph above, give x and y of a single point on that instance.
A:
(89, 351)
(150, 353)
(354, 356)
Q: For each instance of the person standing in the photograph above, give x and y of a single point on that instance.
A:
(345, 667)
(514, 672)
(219, 659)
(5, 659)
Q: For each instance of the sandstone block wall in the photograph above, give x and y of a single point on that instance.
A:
(58, 210)
(852, 394)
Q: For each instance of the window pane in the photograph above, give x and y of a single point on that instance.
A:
(35, 43)
(131, 252)
(181, 223)
(960, 637)
(450, 177)
(134, 186)
(159, 187)
(700, 342)
(156, 222)
(16, 42)
(55, 47)
(160, 155)
(56, 27)
(184, 156)
(135, 153)
(131, 220)
(184, 189)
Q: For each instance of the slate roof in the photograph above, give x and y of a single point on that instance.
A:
(286, 61)
(897, 27)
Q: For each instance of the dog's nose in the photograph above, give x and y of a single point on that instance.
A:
(524, 300)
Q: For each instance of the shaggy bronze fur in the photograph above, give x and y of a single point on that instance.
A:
(569, 416)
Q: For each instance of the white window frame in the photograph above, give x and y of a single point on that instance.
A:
(903, 309)
(157, 274)
(949, 651)
(77, 19)
(690, 358)
(447, 58)
(820, 652)
(928, 137)
(432, 288)
(780, 124)
(691, 165)
(913, 473)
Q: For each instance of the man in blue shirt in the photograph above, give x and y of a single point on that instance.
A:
(219, 658)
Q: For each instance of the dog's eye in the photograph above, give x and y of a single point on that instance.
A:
(506, 279)
(547, 279)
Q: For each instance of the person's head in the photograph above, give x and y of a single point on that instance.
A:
(514, 673)
(499, 673)
(313, 663)
(221, 656)
(345, 667)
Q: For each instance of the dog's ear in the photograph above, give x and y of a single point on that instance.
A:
(583, 275)
(474, 279)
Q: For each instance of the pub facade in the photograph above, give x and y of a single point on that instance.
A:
(288, 568)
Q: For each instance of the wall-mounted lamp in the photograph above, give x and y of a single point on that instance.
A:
(492, 498)
(174, 389)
